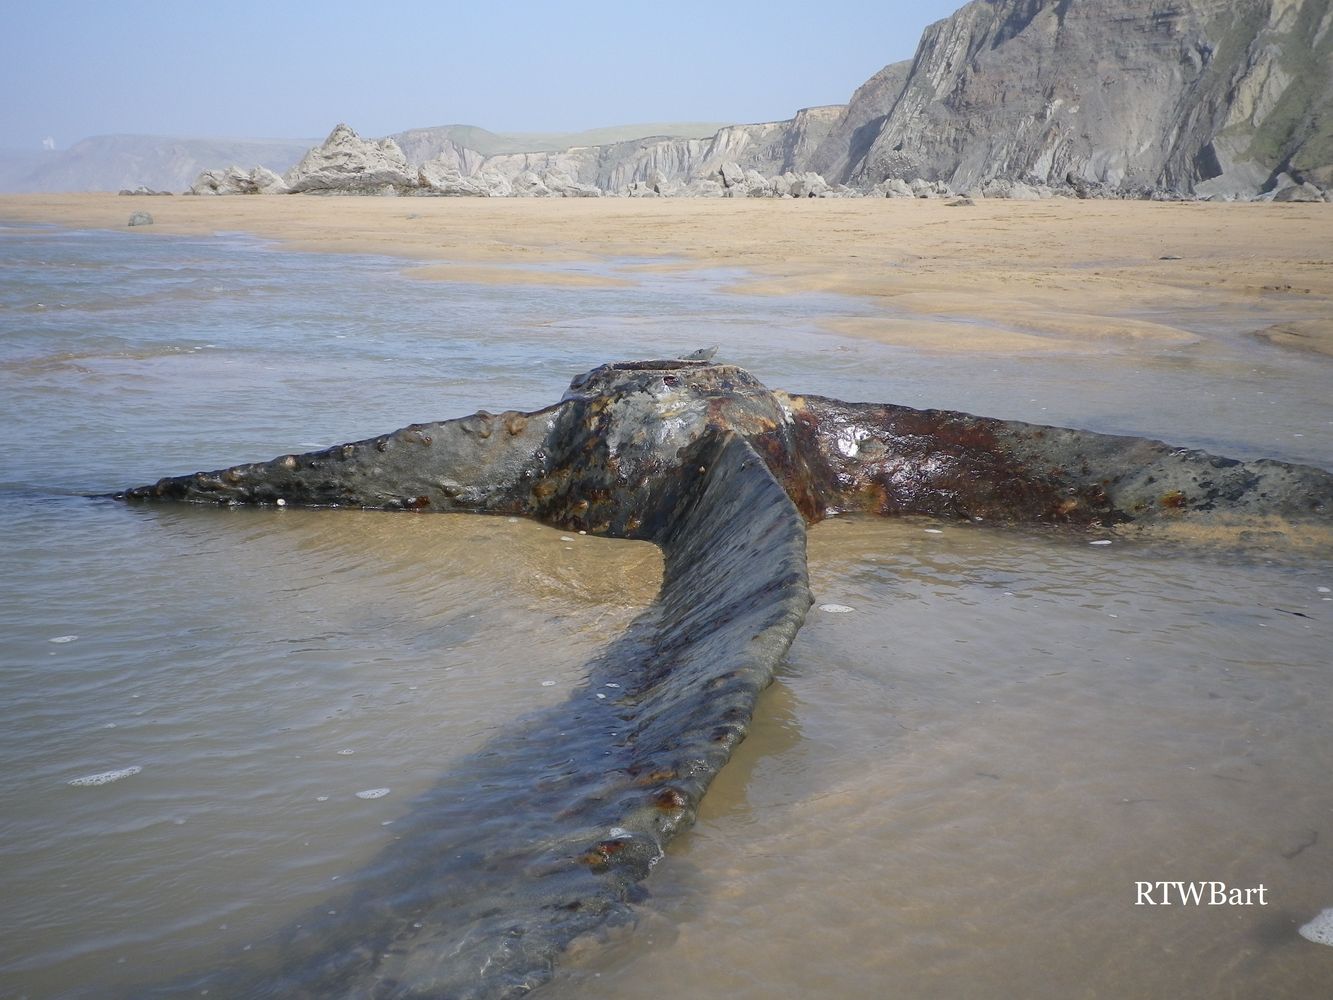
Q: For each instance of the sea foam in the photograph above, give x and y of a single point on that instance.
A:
(105, 778)
(1320, 929)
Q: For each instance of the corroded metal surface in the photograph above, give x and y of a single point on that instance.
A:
(885, 459)
(479, 895)
(593, 461)
(479, 898)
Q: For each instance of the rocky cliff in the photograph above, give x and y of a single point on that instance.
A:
(851, 136)
(769, 148)
(1008, 98)
(1213, 97)
(738, 161)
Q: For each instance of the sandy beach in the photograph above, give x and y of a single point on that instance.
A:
(996, 276)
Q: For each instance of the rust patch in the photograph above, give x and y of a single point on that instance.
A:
(890, 460)
(601, 854)
(669, 800)
(653, 777)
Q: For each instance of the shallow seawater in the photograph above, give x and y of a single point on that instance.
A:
(953, 788)
(268, 692)
(955, 784)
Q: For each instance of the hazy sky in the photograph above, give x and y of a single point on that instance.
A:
(73, 69)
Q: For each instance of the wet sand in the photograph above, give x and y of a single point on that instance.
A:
(998, 276)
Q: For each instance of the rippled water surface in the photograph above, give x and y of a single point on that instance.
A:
(952, 786)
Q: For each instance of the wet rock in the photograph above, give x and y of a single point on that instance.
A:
(140, 219)
(440, 177)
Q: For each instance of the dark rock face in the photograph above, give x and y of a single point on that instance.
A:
(860, 123)
(480, 899)
(1211, 97)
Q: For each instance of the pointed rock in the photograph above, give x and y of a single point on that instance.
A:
(348, 164)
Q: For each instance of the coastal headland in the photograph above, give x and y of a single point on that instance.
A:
(1059, 275)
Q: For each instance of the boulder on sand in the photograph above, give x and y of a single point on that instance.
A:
(440, 177)
(348, 164)
(234, 180)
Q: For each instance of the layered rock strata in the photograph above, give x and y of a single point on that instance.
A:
(1006, 98)
(1201, 97)
(347, 164)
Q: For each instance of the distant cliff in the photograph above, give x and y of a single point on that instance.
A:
(769, 148)
(737, 161)
(1209, 97)
(1020, 98)
(112, 162)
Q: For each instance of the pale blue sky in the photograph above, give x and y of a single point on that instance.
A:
(237, 68)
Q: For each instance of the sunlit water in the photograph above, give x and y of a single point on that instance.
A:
(950, 791)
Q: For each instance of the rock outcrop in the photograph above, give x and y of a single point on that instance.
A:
(1206, 97)
(442, 177)
(427, 145)
(671, 165)
(347, 164)
(739, 161)
(234, 180)
(1018, 99)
